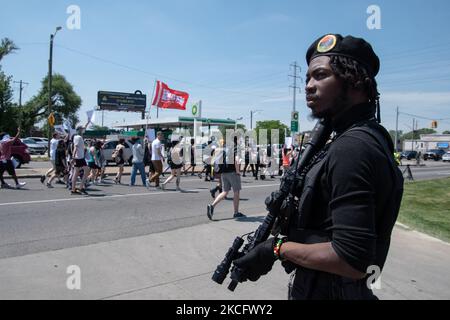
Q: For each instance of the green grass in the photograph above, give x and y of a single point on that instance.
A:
(426, 207)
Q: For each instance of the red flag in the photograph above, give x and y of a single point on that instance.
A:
(167, 98)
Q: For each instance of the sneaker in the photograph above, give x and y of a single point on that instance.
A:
(5, 186)
(83, 191)
(42, 179)
(74, 192)
(210, 211)
(49, 185)
(238, 215)
(20, 185)
(213, 192)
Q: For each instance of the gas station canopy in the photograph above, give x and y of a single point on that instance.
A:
(175, 122)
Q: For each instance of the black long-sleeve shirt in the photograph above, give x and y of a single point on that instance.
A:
(357, 194)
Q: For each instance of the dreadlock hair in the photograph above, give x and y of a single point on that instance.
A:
(356, 77)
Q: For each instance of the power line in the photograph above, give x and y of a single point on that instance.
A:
(160, 75)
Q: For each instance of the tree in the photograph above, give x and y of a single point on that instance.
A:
(9, 113)
(96, 127)
(223, 129)
(6, 47)
(399, 137)
(65, 103)
(417, 133)
(272, 125)
(446, 132)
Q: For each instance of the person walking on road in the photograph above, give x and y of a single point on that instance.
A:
(138, 162)
(53, 146)
(192, 158)
(175, 161)
(231, 179)
(157, 158)
(248, 151)
(6, 163)
(61, 167)
(79, 161)
(119, 158)
(94, 161)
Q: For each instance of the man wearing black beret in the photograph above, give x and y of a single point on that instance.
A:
(348, 204)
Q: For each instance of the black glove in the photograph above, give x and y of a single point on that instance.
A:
(258, 261)
(274, 201)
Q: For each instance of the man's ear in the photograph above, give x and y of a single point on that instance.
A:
(359, 85)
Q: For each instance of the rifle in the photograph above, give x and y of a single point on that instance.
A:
(319, 137)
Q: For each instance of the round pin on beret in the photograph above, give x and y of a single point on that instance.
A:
(327, 43)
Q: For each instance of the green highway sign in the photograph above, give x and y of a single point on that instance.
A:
(294, 121)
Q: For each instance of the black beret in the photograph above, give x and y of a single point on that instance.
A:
(351, 47)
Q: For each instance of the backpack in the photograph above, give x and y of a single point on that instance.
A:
(117, 154)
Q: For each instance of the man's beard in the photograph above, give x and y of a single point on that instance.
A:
(339, 104)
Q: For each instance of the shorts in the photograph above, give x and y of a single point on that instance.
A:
(8, 167)
(59, 170)
(80, 163)
(231, 180)
(92, 165)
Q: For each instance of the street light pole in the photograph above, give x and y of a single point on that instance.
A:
(252, 112)
(50, 66)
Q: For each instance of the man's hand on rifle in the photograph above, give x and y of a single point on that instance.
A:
(258, 261)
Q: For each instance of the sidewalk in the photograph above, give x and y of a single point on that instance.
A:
(179, 264)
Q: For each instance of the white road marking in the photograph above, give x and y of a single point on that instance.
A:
(117, 196)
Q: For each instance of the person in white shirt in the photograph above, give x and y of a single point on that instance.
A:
(53, 146)
(79, 161)
(157, 158)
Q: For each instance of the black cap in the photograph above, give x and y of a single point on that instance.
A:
(351, 47)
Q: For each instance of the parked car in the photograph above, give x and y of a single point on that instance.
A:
(33, 147)
(110, 146)
(435, 155)
(408, 155)
(20, 152)
(446, 157)
(38, 140)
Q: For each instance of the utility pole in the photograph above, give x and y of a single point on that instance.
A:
(294, 87)
(396, 132)
(413, 134)
(50, 102)
(21, 83)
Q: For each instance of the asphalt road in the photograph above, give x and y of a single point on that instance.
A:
(38, 219)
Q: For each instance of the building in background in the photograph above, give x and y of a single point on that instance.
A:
(428, 142)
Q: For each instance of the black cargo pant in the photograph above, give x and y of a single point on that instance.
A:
(309, 284)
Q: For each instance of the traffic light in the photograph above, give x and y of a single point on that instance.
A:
(434, 124)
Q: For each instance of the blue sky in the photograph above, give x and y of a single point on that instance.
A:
(233, 55)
